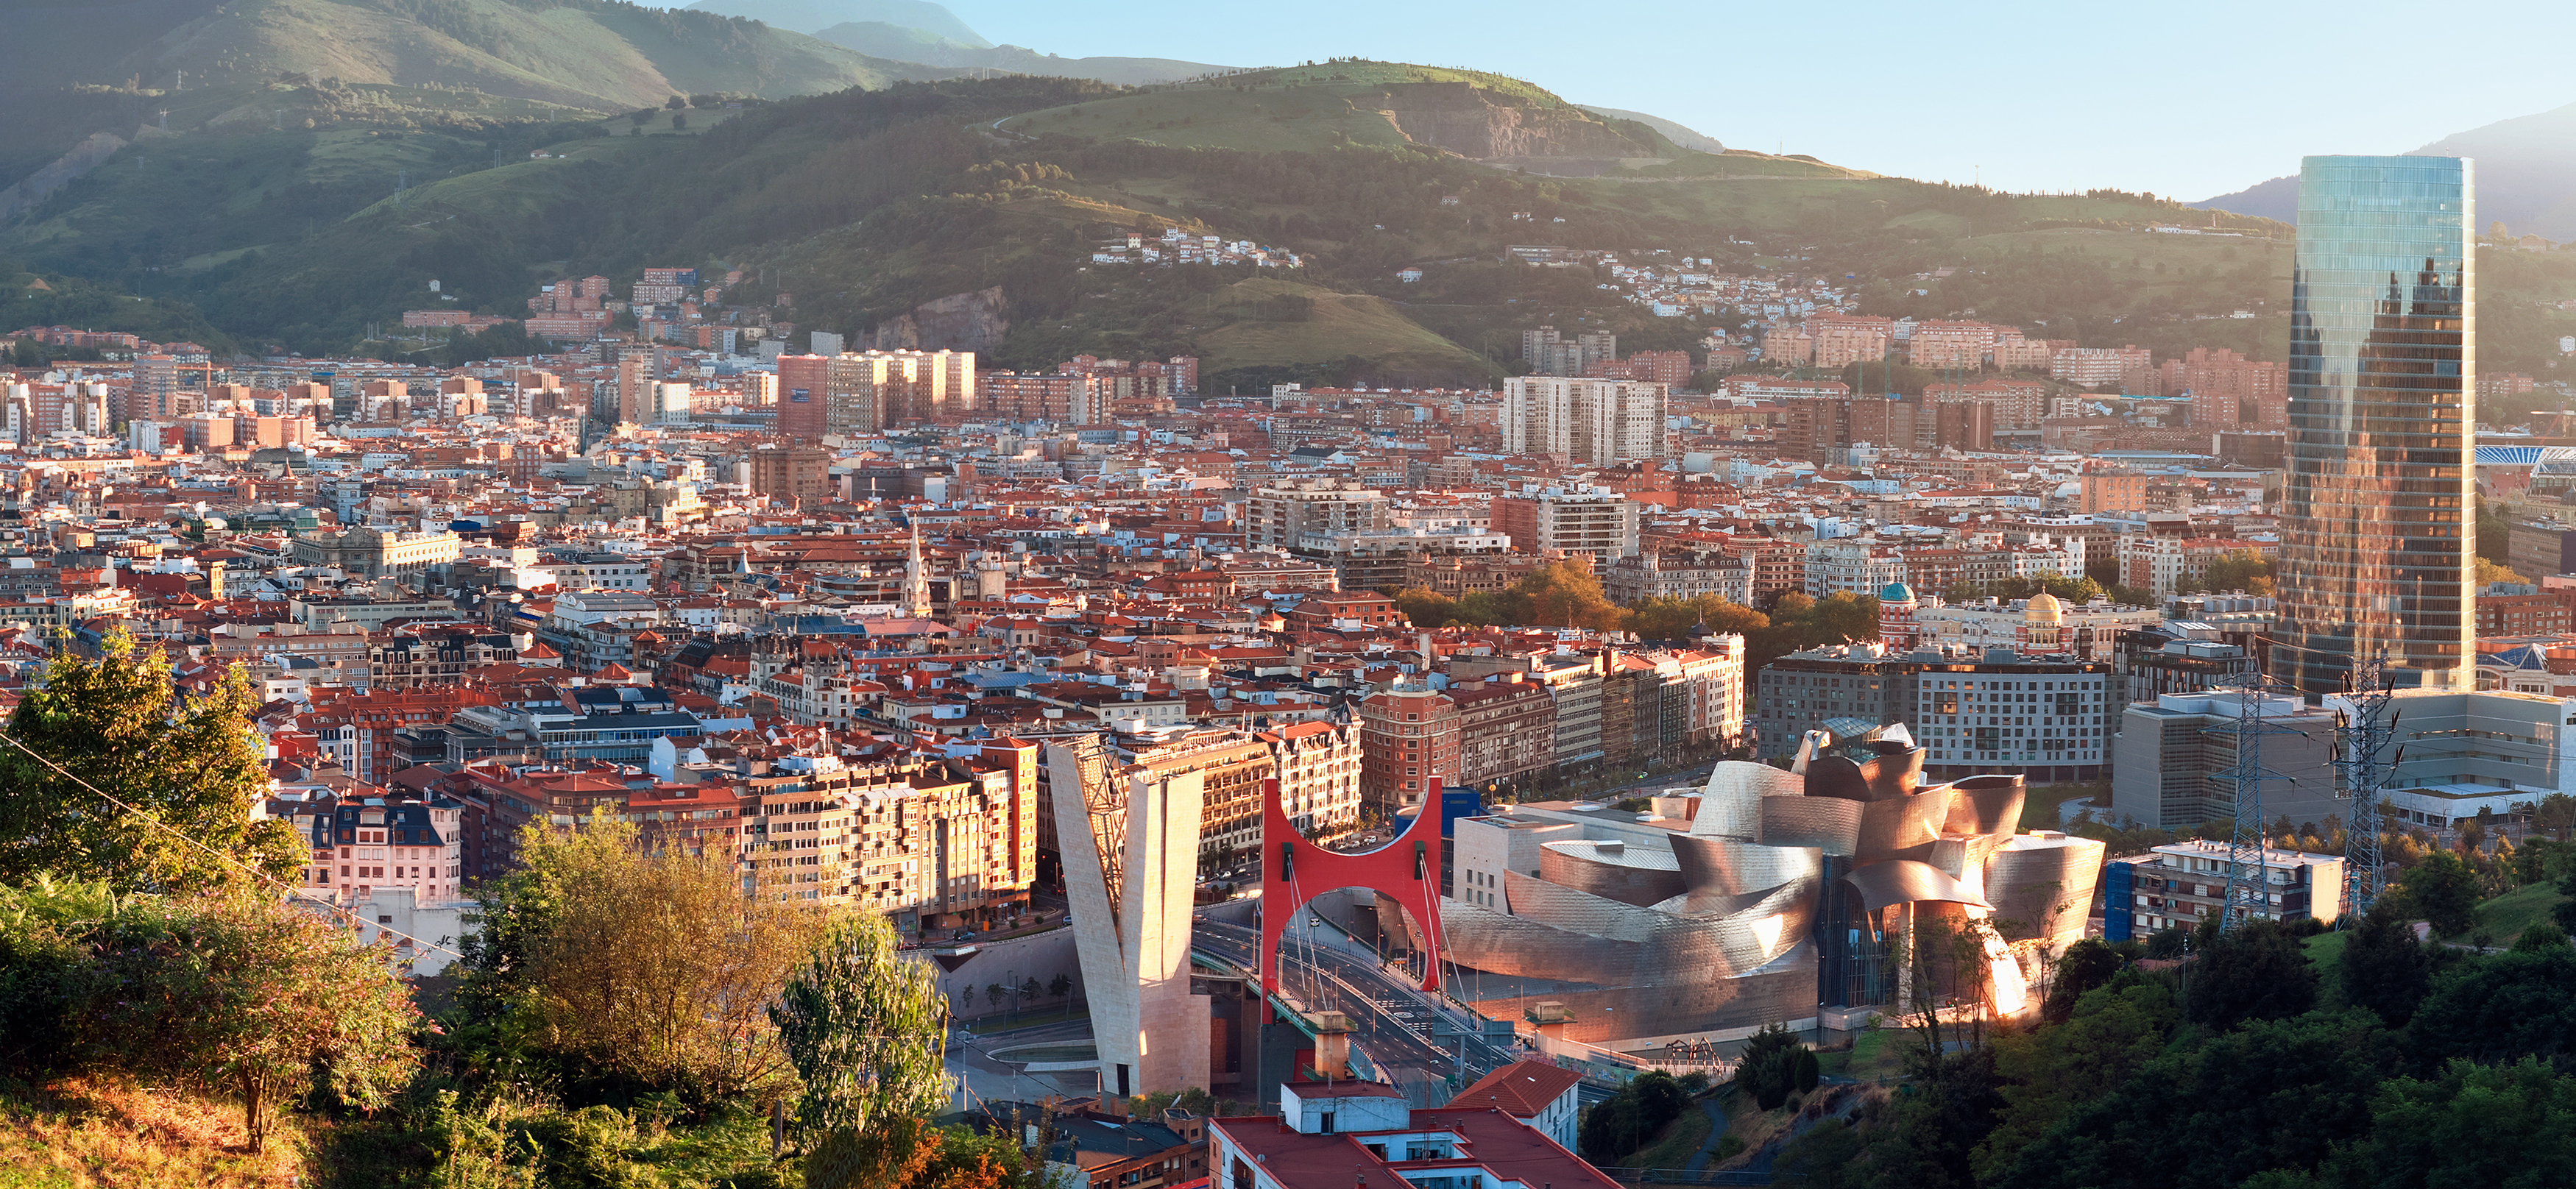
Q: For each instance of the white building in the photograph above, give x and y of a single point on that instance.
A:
(1859, 565)
(1589, 422)
(1318, 766)
(2087, 629)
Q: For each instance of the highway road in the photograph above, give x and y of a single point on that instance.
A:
(1390, 1016)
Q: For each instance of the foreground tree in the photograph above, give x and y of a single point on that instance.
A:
(651, 971)
(239, 995)
(2255, 971)
(115, 725)
(866, 1032)
(2445, 891)
(2384, 968)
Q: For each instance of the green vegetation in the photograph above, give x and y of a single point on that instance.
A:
(173, 1019)
(1774, 1066)
(117, 780)
(1627, 1120)
(1673, 1148)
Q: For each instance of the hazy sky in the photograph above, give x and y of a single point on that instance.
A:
(2194, 100)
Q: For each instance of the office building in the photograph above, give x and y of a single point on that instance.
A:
(2375, 529)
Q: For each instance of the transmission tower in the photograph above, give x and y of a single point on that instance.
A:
(2366, 725)
(2248, 895)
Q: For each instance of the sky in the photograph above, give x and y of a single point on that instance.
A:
(2192, 101)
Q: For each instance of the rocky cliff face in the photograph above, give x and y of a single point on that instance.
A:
(1465, 119)
(970, 321)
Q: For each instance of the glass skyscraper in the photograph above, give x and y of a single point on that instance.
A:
(2377, 527)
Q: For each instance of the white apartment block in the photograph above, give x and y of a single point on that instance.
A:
(1318, 767)
(1590, 422)
(1277, 517)
(1860, 565)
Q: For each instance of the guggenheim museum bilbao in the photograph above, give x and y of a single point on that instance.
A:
(1773, 896)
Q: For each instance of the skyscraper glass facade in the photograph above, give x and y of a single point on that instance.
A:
(2377, 524)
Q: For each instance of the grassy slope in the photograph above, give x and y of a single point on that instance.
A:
(87, 1133)
(596, 57)
(1675, 1144)
(1294, 119)
(1342, 324)
(2506, 916)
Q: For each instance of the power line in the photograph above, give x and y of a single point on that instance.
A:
(156, 823)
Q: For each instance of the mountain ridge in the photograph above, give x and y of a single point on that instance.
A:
(2525, 175)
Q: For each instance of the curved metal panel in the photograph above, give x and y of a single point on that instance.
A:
(2046, 885)
(1728, 866)
(1628, 874)
(1836, 776)
(1986, 805)
(1730, 806)
(1897, 881)
(1830, 824)
(1890, 826)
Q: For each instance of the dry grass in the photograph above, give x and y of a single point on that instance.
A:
(96, 1132)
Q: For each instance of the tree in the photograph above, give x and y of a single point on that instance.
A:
(2469, 1125)
(1768, 1071)
(1631, 1117)
(676, 102)
(114, 724)
(2498, 1008)
(865, 1030)
(1030, 989)
(2384, 968)
(1827, 1156)
(993, 994)
(2490, 571)
(2108, 1034)
(2255, 971)
(1061, 985)
(2540, 937)
(240, 993)
(1662, 618)
(2445, 891)
(2087, 964)
(2269, 1095)
(650, 971)
(679, 120)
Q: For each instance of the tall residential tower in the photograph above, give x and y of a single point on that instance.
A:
(2376, 528)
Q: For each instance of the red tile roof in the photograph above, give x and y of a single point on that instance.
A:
(1522, 1088)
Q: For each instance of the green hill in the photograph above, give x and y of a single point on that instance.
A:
(865, 204)
(603, 55)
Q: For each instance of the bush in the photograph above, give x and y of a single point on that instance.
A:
(1772, 1067)
(242, 995)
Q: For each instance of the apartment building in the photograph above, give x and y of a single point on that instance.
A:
(1233, 766)
(1587, 422)
(1318, 767)
(2179, 884)
(1406, 737)
(1601, 523)
(1506, 729)
(1282, 517)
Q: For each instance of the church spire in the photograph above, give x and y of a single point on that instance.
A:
(916, 580)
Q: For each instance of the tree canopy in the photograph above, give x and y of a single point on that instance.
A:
(114, 723)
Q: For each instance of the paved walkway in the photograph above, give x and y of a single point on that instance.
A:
(1716, 1131)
